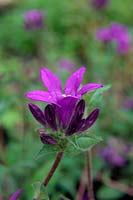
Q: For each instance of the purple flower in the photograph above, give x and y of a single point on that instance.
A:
(118, 33)
(33, 19)
(55, 93)
(123, 44)
(99, 4)
(115, 153)
(103, 35)
(16, 195)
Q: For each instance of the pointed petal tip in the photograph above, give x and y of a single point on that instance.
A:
(16, 194)
(48, 78)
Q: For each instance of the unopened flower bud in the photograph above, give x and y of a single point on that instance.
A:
(37, 113)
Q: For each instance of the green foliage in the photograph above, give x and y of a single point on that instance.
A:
(109, 193)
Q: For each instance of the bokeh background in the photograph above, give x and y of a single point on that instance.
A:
(69, 35)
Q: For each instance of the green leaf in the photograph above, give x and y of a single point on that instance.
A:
(109, 193)
(87, 142)
(82, 143)
(46, 149)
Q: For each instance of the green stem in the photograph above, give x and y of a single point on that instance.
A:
(53, 168)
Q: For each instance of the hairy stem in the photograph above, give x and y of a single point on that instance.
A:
(53, 168)
(90, 183)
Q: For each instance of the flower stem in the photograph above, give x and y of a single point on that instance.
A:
(53, 168)
(90, 184)
(82, 185)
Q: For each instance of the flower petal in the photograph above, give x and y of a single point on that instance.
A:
(16, 194)
(88, 87)
(50, 80)
(74, 81)
(90, 120)
(75, 121)
(37, 113)
(50, 116)
(64, 112)
(40, 95)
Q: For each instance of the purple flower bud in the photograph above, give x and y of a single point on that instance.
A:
(33, 20)
(37, 113)
(99, 4)
(90, 120)
(76, 122)
(50, 116)
(46, 139)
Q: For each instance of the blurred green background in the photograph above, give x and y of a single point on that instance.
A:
(68, 34)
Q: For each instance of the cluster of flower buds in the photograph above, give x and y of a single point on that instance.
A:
(118, 33)
(73, 122)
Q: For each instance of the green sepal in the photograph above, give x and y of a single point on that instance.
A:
(81, 144)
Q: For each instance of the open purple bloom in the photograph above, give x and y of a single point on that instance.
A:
(33, 19)
(55, 92)
(16, 195)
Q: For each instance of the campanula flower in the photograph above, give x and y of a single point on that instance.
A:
(16, 195)
(33, 19)
(55, 93)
